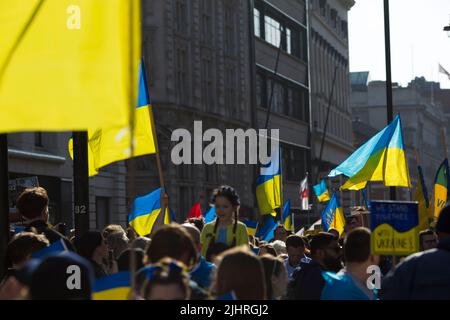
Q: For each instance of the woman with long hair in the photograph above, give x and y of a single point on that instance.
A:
(226, 231)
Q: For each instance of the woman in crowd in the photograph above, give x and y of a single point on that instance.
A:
(93, 247)
(275, 275)
(226, 228)
(240, 272)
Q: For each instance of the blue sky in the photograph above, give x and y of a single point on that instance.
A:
(418, 42)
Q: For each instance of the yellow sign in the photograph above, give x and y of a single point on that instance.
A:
(394, 227)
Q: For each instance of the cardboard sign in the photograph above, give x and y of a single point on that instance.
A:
(394, 226)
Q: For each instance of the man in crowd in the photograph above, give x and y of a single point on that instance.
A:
(424, 275)
(32, 205)
(427, 239)
(295, 248)
(307, 282)
(351, 283)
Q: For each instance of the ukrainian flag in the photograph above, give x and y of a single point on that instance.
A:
(382, 158)
(441, 184)
(268, 186)
(333, 215)
(114, 287)
(68, 64)
(251, 226)
(267, 231)
(145, 211)
(421, 196)
(321, 191)
(108, 145)
(287, 216)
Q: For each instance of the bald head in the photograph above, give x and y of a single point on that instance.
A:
(193, 231)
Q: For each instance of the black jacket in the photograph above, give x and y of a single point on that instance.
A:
(421, 276)
(307, 282)
(52, 235)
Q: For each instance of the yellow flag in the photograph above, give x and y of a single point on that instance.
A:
(68, 64)
(108, 145)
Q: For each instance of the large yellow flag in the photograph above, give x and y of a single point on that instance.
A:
(108, 145)
(441, 185)
(68, 64)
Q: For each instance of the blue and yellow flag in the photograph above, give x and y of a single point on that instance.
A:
(382, 158)
(268, 186)
(267, 231)
(251, 226)
(113, 287)
(441, 186)
(287, 216)
(321, 191)
(333, 215)
(55, 248)
(210, 215)
(145, 211)
(421, 196)
(108, 145)
(68, 64)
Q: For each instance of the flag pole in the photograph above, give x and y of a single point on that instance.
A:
(4, 203)
(281, 186)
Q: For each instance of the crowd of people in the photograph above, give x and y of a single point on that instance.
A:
(219, 260)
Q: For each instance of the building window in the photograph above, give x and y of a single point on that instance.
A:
(294, 163)
(257, 22)
(181, 75)
(333, 18)
(272, 31)
(207, 21)
(181, 16)
(323, 8)
(102, 211)
(344, 29)
(38, 141)
(207, 84)
(288, 41)
(230, 30)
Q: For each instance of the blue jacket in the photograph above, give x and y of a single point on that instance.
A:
(202, 273)
(341, 286)
(421, 276)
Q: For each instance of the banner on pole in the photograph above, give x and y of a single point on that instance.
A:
(394, 226)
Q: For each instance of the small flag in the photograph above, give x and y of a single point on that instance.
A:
(268, 186)
(421, 196)
(113, 287)
(333, 216)
(304, 194)
(195, 211)
(55, 248)
(145, 211)
(251, 226)
(441, 184)
(287, 216)
(382, 158)
(210, 215)
(321, 191)
(267, 231)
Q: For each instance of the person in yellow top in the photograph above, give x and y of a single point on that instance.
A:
(226, 231)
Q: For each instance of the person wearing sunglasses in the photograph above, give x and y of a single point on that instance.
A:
(307, 280)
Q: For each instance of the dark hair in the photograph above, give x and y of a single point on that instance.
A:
(332, 230)
(240, 271)
(123, 261)
(357, 245)
(272, 267)
(294, 241)
(214, 249)
(231, 195)
(166, 272)
(443, 222)
(269, 248)
(174, 241)
(198, 222)
(87, 243)
(32, 202)
(24, 244)
(320, 241)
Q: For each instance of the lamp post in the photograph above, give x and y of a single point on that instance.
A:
(447, 29)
